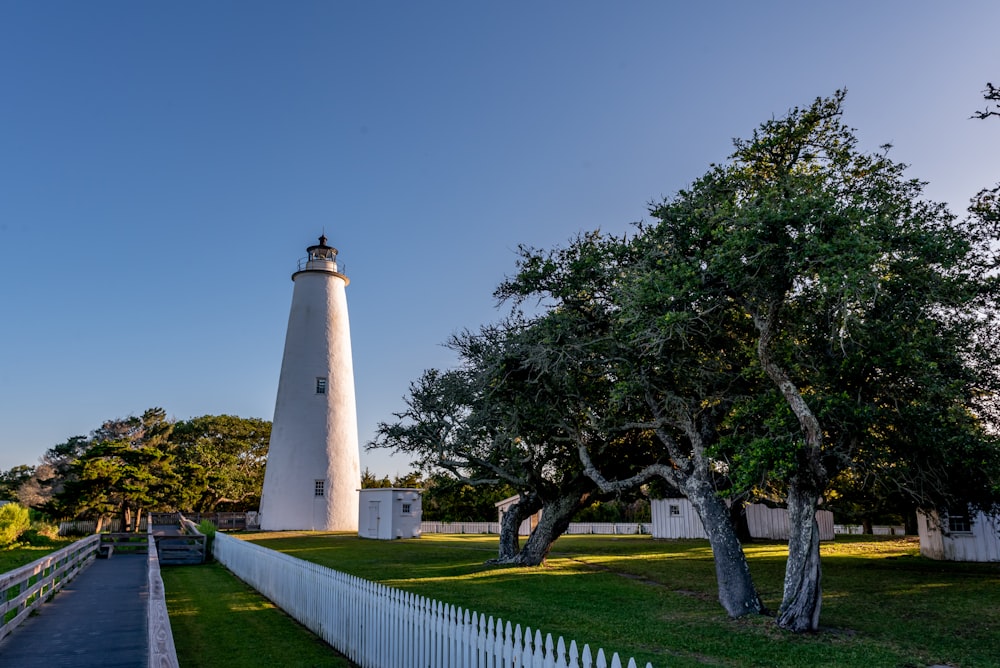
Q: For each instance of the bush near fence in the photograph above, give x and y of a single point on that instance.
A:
(379, 627)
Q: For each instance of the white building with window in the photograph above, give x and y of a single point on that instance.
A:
(387, 513)
(313, 465)
(957, 536)
(677, 518)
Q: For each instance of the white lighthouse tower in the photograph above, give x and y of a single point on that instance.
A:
(313, 465)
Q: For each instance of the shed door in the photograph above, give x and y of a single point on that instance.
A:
(373, 518)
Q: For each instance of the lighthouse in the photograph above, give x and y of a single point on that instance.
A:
(313, 463)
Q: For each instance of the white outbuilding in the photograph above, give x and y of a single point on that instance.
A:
(386, 513)
(959, 536)
(676, 518)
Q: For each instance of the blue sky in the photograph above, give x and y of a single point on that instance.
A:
(163, 165)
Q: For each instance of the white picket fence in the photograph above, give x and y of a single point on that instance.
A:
(603, 528)
(379, 627)
(878, 530)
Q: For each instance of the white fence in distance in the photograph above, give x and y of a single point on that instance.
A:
(379, 627)
(597, 528)
(859, 530)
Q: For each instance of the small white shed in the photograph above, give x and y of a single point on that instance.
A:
(385, 513)
(676, 518)
(527, 526)
(959, 537)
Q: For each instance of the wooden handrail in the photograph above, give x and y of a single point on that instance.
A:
(162, 653)
(39, 580)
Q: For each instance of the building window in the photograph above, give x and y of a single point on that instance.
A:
(320, 488)
(321, 386)
(675, 511)
(958, 522)
(406, 509)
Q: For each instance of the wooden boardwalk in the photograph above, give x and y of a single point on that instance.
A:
(99, 619)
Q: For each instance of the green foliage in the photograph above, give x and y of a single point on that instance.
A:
(616, 510)
(797, 316)
(42, 531)
(369, 481)
(12, 479)
(207, 527)
(124, 469)
(447, 499)
(131, 465)
(14, 521)
(221, 459)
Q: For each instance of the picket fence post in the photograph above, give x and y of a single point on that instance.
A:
(550, 655)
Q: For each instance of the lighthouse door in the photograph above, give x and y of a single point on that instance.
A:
(373, 519)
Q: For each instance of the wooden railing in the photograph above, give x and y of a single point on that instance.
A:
(123, 542)
(161, 639)
(187, 548)
(24, 589)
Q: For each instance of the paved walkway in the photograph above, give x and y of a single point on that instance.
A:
(96, 620)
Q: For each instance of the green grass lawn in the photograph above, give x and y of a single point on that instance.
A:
(884, 605)
(218, 621)
(15, 557)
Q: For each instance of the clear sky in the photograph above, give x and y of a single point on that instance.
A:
(163, 165)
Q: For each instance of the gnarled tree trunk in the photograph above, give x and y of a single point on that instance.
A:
(510, 524)
(737, 593)
(802, 597)
(555, 518)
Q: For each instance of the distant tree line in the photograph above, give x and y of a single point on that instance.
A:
(132, 465)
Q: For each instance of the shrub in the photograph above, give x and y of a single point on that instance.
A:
(41, 533)
(207, 527)
(14, 521)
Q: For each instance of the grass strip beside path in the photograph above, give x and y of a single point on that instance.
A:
(884, 605)
(219, 622)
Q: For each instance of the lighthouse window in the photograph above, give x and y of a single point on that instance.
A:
(406, 509)
(320, 488)
(321, 386)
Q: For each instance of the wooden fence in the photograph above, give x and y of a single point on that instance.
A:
(85, 527)
(187, 547)
(379, 627)
(24, 589)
